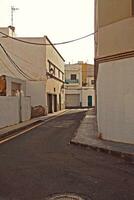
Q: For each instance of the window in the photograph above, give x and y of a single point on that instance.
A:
(59, 73)
(51, 68)
(92, 82)
(62, 76)
(73, 76)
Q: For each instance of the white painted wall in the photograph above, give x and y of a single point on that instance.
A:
(37, 91)
(85, 93)
(9, 112)
(53, 86)
(26, 108)
(74, 69)
(29, 58)
(115, 100)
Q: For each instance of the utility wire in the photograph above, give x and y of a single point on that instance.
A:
(57, 43)
(15, 65)
(8, 68)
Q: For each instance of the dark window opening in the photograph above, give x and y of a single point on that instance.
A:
(73, 76)
(92, 82)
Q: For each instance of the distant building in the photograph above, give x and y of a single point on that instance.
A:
(79, 85)
(114, 69)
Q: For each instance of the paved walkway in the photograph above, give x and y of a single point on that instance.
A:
(87, 135)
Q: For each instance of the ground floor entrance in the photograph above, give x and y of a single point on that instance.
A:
(52, 103)
(72, 100)
(89, 101)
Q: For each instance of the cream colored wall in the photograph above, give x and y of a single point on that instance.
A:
(112, 11)
(30, 58)
(54, 57)
(115, 100)
(37, 91)
(73, 91)
(53, 86)
(115, 38)
(9, 114)
(25, 108)
(89, 79)
(10, 110)
(74, 69)
(85, 93)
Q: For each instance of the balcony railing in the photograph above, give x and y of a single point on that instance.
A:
(69, 81)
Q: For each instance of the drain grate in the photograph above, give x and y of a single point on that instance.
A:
(65, 197)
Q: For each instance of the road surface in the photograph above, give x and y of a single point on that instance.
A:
(42, 162)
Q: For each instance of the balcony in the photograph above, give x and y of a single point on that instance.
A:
(69, 81)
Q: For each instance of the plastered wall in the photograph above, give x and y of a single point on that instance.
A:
(115, 100)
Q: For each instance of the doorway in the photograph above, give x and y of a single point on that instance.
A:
(55, 103)
(49, 103)
(89, 101)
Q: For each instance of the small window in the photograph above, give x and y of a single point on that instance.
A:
(92, 82)
(59, 73)
(62, 76)
(73, 76)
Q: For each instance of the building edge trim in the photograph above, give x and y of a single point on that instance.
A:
(113, 57)
(97, 61)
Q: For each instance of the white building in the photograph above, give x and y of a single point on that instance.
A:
(37, 62)
(79, 85)
(114, 69)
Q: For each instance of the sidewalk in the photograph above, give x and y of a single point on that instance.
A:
(86, 135)
(5, 132)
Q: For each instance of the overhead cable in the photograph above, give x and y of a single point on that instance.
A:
(15, 65)
(57, 43)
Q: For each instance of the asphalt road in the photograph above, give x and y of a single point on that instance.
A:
(42, 162)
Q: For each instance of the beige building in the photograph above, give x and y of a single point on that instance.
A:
(114, 71)
(79, 85)
(40, 66)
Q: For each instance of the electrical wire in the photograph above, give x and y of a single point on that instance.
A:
(58, 43)
(15, 65)
(8, 68)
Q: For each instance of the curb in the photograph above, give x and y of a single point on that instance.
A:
(11, 132)
(126, 156)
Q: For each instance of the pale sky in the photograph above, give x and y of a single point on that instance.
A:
(60, 20)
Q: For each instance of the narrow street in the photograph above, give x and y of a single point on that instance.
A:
(42, 162)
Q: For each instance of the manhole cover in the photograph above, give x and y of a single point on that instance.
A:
(65, 197)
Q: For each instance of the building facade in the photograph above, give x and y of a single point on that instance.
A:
(36, 61)
(79, 85)
(114, 60)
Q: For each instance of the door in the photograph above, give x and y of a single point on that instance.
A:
(89, 101)
(59, 101)
(72, 100)
(49, 103)
(55, 103)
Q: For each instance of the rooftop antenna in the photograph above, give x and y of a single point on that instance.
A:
(12, 11)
